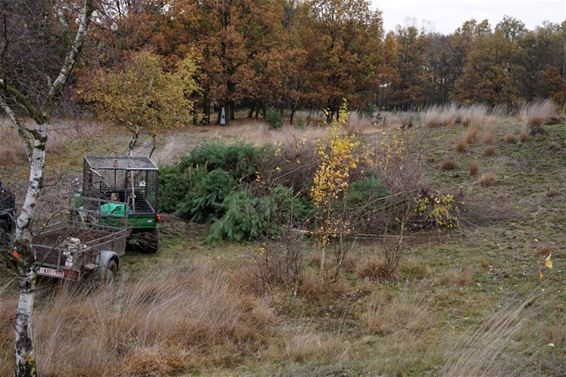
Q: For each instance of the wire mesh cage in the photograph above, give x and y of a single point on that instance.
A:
(130, 180)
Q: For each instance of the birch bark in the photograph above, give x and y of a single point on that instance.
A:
(35, 140)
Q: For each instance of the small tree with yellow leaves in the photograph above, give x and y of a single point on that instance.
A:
(143, 97)
(339, 156)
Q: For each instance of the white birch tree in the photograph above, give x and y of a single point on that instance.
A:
(34, 137)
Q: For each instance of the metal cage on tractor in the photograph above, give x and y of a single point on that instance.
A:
(128, 187)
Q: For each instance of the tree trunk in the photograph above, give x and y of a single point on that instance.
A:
(35, 141)
(25, 359)
(24, 258)
(134, 140)
(292, 115)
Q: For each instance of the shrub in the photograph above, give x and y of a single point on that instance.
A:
(195, 188)
(489, 151)
(435, 210)
(273, 118)
(461, 146)
(523, 136)
(364, 191)
(449, 164)
(510, 138)
(474, 168)
(249, 218)
(173, 186)
(300, 123)
(244, 218)
(240, 160)
(488, 179)
(205, 198)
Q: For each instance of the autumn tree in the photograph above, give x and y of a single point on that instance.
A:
(412, 87)
(487, 76)
(142, 97)
(44, 30)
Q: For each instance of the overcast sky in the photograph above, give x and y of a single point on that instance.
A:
(445, 16)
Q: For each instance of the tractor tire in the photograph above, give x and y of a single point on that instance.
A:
(150, 241)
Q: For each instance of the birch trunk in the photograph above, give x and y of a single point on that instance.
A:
(25, 358)
(35, 141)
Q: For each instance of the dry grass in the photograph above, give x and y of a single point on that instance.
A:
(491, 350)
(304, 343)
(487, 137)
(461, 146)
(472, 134)
(552, 192)
(61, 133)
(449, 164)
(510, 138)
(474, 115)
(457, 276)
(488, 179)
(489, 151)
(372, 269)
(164, 323)
(535, 114)
(523, 136)
(440, 116)
(402, 313)
(474, 168)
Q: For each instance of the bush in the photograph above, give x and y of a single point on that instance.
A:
(173, 186)
(364, 191)
(243, 219)
(240, 160)
(195, 189)
(205, 198)
(273, 118)
(248, 218)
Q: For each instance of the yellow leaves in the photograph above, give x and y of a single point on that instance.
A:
(548, 261)
(547, 265)
(145, 96)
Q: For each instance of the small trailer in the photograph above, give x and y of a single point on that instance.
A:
(75, 251)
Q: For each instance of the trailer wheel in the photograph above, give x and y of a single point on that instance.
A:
(109, 275)
(4, 225)
(4, 238)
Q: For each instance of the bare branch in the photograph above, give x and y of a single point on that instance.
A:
(71, 58)
(22, 130)
(22, 100)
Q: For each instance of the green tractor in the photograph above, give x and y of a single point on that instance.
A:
(122, 192)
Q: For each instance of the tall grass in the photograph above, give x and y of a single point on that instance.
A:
(491, 349)
(448, 115)
(158, 325)
(535, 114)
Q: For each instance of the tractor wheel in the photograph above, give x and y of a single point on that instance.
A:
(150, 241)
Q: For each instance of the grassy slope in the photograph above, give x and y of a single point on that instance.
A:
(500, 255)
(448, 283)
